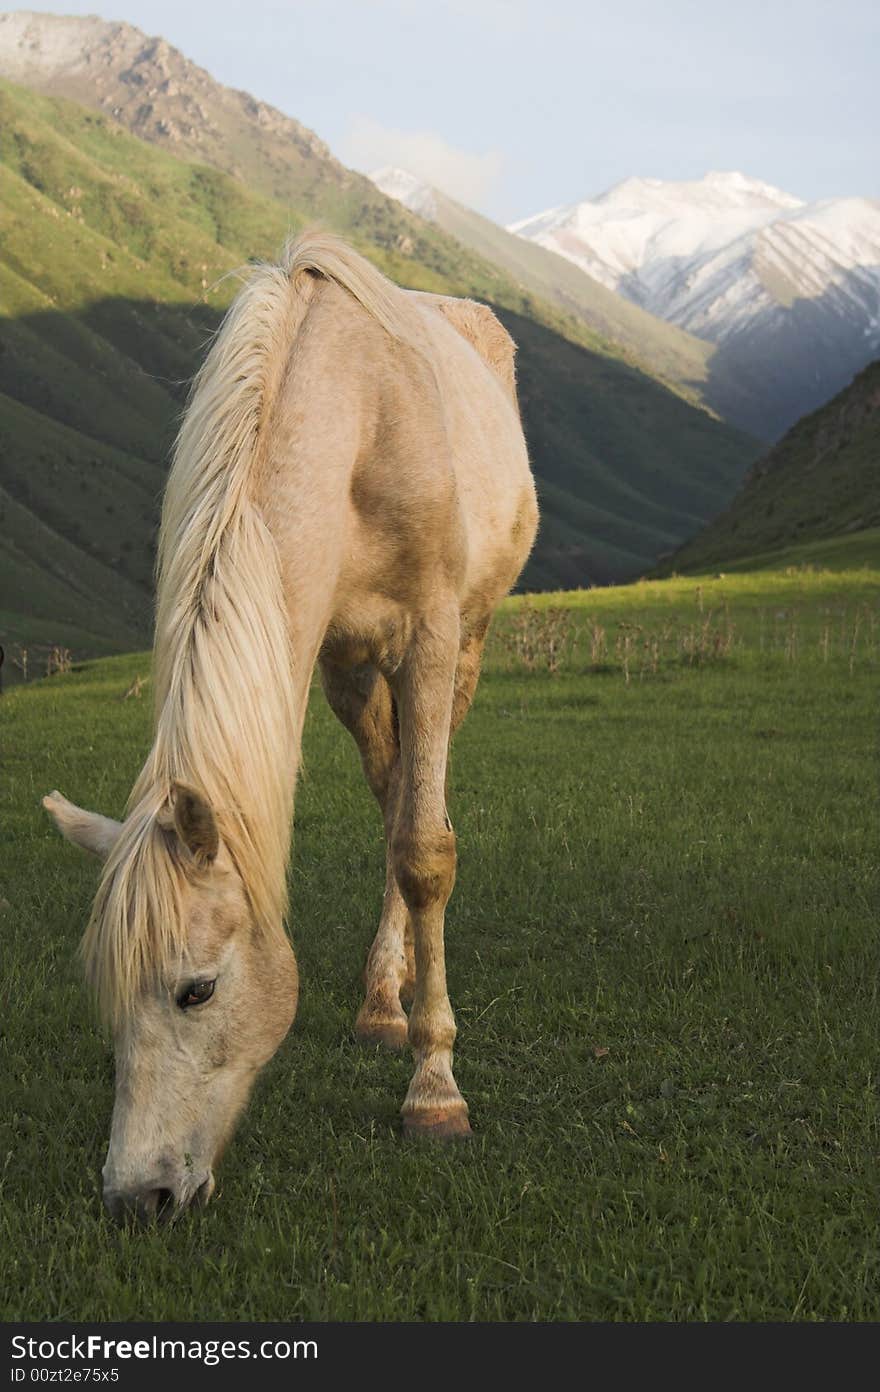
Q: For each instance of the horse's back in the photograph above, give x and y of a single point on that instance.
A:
(414, 455)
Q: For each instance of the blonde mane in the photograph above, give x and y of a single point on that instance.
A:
(224, 718)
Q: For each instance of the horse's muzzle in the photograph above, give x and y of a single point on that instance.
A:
(155, 1205)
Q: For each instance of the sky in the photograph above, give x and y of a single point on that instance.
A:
(515, 106)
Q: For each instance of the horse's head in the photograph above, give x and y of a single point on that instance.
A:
(192, 1032)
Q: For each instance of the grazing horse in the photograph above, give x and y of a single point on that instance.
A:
(350, 486)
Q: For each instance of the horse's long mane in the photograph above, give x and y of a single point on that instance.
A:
(224, 718)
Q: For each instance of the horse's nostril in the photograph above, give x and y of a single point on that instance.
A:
(140, 1206)
(164, 1204)
(146, 1204)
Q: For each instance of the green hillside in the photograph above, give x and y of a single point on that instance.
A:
(113, 272)
(162, 97)
(815, 498)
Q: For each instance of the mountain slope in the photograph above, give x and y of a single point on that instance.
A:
(820, 483)
(632, 479)
(163, 98)
(789, 293)
(670, 353)
(157, 94)
(113, 272)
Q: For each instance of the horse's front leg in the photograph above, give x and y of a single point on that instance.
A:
(423, 854)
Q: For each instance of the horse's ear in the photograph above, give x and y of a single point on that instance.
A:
(89, 830)
(195, 824)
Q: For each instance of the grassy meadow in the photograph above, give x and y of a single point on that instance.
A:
(662, 954)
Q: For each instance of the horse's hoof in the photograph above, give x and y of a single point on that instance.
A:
(391, 1033)
(438, 1123)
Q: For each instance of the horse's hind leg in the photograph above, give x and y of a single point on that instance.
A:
(423, 850)
(467, 672)
(361, 698)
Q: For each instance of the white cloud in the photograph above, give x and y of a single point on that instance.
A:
(462, 174)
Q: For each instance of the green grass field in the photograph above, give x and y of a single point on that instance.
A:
(663, 957)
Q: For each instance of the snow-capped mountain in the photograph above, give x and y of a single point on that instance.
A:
(711, 254)
(654, 241)
(657, 347)
(413, 193)
(741, 264)
(785, 294)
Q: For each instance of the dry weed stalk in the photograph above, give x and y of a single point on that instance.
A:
(58, 659)
(538, 637)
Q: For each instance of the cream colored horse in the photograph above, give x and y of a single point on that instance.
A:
(350, 486)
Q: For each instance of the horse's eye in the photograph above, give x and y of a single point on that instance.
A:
(196, 993)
